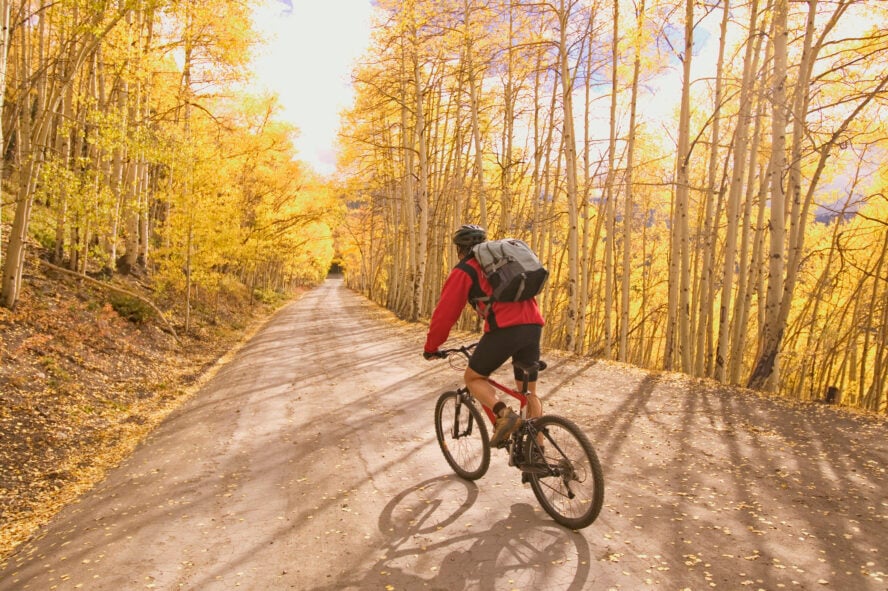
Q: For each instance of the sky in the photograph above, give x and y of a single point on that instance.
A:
(307, 61)
(312, 45)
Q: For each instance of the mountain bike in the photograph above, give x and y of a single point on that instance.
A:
(552, 452)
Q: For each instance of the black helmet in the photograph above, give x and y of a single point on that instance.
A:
(469, 235)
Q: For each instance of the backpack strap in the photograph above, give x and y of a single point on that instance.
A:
(476, 294)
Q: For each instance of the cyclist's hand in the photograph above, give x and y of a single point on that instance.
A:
(434, 355)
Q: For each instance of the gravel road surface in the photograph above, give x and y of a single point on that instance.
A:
(309, 462)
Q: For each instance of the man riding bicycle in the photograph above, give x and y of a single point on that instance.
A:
(511, 329)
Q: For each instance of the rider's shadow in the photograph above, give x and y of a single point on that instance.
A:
(427, 507)
(524, 550)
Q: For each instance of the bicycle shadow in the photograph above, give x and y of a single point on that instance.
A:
(431, 543)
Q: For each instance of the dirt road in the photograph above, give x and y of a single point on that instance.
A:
(309, 462)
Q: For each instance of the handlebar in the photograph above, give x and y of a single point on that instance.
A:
(466, 351)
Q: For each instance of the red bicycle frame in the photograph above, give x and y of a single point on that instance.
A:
(521, 397)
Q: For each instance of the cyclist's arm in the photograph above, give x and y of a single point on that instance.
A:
(454, 296)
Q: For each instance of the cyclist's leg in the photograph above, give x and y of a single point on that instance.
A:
(480, 388)
(527, 351)
(534, 405)
(492, 351)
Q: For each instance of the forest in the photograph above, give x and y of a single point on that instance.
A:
(705, 180)
(133, 147)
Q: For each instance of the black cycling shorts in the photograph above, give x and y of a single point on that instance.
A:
(521, 343)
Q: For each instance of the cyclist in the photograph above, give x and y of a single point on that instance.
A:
(511, 329)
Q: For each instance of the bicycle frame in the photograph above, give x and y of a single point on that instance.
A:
(521, 397)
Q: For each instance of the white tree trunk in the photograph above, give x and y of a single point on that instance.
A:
(678, 329)
(570, 164)
(4, 53)
(765, 372)
(628, 204)
(610, 194)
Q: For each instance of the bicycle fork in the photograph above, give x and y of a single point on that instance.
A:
(464, 399)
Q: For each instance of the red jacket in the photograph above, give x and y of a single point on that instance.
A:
(457, 290)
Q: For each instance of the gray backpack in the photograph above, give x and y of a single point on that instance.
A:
(512, 269)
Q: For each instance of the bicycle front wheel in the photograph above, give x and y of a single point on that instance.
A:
(462, 435)
(569, 483)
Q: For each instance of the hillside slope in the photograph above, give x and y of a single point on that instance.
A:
(80, 386)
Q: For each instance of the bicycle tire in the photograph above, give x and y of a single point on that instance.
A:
(571, 488)
(462, 435)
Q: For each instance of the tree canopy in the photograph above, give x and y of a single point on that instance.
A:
(130, 147)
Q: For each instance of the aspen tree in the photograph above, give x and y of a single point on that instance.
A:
(748, 270)
(131, 206)
(508, 132)
(63, 159)
(570, 168)
(4, 53)
(767, 369)
(677, 329)
(628, 204)
(712, 192)
(546, 193)
(609, 193)
(814, 338)
(187, 99)
(422, 197)
(738, 177)
(117, 180)
(410, 123)
(538, 131)
(870, 396)
(34, 136)
(875, 396)
(587, 253)
(474, 87)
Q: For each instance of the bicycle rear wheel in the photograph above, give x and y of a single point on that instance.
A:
(568, 481)
(462, 435)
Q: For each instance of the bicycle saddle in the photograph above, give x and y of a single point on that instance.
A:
(529, 367)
